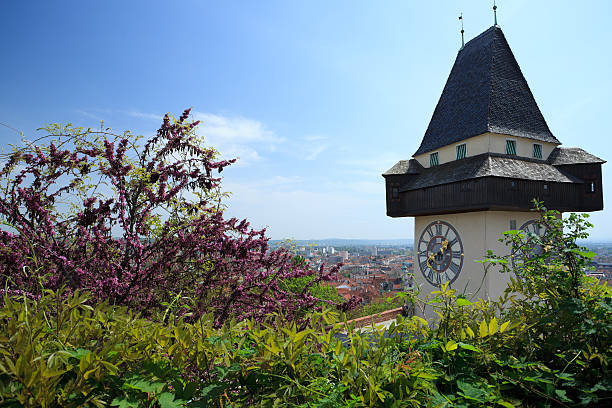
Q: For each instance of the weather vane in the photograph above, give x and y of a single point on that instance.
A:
(462, 31)
(495, 12)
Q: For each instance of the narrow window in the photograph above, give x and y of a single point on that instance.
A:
(461, 151)
(394, 192)
(590, 186)
(433, 159)
(511, 147)
(537, 151)
(512, 224)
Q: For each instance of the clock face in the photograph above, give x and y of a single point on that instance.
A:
(440, 253)
(529, 250)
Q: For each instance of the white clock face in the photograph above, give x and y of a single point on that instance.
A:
(529, 250)
(440, 253)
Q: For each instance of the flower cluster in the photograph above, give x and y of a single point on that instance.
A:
(138, 227)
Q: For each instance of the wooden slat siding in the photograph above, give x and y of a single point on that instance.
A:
(494, 193)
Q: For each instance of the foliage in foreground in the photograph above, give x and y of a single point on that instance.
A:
(547, 343)
(60, 352)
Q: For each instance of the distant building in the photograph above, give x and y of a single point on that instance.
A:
(344, 255)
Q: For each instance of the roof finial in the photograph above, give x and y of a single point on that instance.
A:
(495, 12)
(462, 31)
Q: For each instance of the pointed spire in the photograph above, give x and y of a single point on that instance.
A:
(495, 12)
(485, 92)
(462, 31)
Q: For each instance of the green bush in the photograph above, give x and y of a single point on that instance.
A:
(547, 343)
(60, 352)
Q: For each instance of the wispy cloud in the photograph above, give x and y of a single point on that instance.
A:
(313, 146)
(314, 151)
(145, 115)
(233, 136)
(315, 138)
(236, 136)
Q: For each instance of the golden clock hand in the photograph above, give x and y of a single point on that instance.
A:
(444, 245)
(431, 257)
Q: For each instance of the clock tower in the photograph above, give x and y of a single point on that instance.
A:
(486, 154)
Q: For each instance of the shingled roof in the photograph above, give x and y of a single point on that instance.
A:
(489, 165)
(572, 155)
(404, 167)
(485, 92)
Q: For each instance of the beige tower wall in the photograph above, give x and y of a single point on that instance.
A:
(479, 232)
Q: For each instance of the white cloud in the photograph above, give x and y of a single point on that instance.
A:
(314, 151)
(312, 146)
(236, 136)
(144, 115)
(233, 136)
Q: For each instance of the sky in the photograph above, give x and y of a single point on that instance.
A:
(316, 98)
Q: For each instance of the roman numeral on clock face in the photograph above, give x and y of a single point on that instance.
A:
(438, 229)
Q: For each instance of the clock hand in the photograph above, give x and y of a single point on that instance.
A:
(440, 251)
(430, 258)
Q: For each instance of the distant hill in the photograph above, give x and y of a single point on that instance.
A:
(339, 242)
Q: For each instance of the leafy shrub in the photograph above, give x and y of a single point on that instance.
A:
(138, 226)
(59, 351)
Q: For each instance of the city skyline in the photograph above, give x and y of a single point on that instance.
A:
(316, 99)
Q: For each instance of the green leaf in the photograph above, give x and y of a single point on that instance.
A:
(450, 345)
(469, 347)
(420, 320)
(299, 336)
(124, 403)
(562, 396)
(505, 404)
(470, 392)
(585, 254)
(88, 373)
(469, 332)
(504, 326)
(113, 369)
(493, 326)
(143, 385)
(463, 302)
(166, 400)
(483, 329)
(426, 375)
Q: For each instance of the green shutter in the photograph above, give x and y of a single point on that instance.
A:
(433, 159)
(511, 147)
(537, 151)
(461, 151)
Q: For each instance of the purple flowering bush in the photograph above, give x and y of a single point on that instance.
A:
(138, 226)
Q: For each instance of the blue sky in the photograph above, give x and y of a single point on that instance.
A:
(317, 98)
